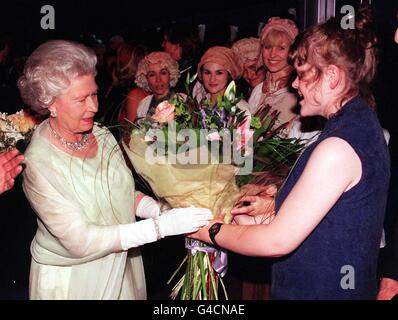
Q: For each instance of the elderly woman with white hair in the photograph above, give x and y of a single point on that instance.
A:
(77, 182)
(157, 73)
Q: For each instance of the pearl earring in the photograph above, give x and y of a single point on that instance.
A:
(53, 114)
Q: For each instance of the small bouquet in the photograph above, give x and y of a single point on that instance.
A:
(198, 154)
(17, 129)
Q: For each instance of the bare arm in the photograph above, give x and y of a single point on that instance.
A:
(134, 98)
(332, 169)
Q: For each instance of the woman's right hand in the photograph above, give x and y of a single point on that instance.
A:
(183, 220)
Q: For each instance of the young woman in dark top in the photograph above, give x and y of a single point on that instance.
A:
(329, 213)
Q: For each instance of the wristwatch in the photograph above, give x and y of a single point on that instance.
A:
(213, 230)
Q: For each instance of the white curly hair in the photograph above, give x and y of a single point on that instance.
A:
(49, 70)
(165, 61)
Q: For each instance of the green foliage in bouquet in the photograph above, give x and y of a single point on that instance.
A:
(273, 154)
(213, 185)
(184, 112)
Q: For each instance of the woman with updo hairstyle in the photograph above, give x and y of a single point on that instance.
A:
(77, 182)
(329, 213)
(157, 73)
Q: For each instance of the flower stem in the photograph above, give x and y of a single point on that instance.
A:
(178, 269)
(203, 274)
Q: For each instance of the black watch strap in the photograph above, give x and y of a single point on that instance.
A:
(213, 231)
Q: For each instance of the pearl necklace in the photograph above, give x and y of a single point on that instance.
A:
(75, 146)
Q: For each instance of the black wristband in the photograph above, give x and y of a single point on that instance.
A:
(214, 229)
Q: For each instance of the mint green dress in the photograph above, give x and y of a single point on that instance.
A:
(79, 205)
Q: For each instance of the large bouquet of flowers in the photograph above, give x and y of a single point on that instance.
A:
(17, 129)
(198, 155)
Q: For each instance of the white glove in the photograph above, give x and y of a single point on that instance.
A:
(183, 220)
(173, 222)
(138, 233)
(147, 208)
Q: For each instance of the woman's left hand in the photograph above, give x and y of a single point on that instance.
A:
(257, 205)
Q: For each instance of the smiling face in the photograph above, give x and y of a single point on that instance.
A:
(309, 90)
(158, 78)
(320, 92)
(215, 78)
(275, 51)
(323, 90)
(75, 108)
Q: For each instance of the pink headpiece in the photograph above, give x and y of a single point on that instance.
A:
(247, 48)
(276, 23)
(225, 57)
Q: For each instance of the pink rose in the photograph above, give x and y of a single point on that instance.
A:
(164, 112)
(149, 139)
(213, 136)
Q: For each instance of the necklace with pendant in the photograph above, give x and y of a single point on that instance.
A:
(75, 146)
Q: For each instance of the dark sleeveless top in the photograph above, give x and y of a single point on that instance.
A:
(338, 260)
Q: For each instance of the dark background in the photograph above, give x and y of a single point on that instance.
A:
(131, 17)
(143, 21)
